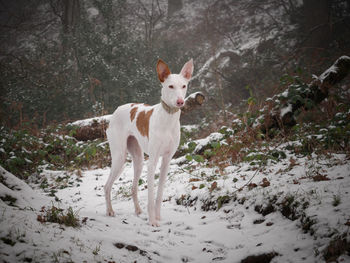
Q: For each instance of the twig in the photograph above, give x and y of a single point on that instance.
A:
(250, 179)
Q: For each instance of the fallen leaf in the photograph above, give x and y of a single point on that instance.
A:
(194, 180)
(213, 186)
(265, 182)
(292, 162)
(320, 177)
(251, 186)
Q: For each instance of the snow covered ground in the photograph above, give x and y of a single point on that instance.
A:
(253, 221)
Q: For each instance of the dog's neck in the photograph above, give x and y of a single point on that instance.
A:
(167, 108)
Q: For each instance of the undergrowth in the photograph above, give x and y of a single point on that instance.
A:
(58, 215)
(320, 128)
(23, 153)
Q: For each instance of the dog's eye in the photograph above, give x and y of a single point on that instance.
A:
(171, 87)
(184, 86)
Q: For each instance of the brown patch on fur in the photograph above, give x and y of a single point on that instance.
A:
(142, 122)
(133, 113)
(133, 104)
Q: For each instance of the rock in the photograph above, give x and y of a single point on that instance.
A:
(119, 245)
(262, 258)
(132, 248)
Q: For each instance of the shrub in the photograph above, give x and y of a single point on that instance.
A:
(22, 153)
(54, 214)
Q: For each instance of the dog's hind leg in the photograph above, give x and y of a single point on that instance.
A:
(137, 159)
(118, 152)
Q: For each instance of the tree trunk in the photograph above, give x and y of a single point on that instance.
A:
(316, 24)
(97, 129)
(192, 101)
(174, 6)
(70, 19)
(282, 116)
(71, 15)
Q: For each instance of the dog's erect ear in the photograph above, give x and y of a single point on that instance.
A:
(162, 70)
(187, 70)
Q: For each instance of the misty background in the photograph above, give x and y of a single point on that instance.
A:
(63, 60)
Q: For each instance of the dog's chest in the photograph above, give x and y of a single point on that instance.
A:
(163, 133)
(167, 138)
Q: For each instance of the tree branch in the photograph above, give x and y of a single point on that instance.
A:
(97, 129)
(282, 116)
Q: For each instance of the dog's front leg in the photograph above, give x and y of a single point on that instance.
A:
(162, 178)
(152, 163)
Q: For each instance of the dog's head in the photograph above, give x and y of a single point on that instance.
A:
(174, 86)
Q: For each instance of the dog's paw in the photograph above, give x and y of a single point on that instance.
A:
(154, 223)
(138, 211)
(110, 213)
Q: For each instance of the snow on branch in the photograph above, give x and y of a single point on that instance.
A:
(280, 111)
(94, 128)
(192, 101)
(336, 72)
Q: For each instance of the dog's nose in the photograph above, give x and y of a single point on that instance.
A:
(180, 102)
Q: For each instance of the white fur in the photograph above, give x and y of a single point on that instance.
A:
(164, 137)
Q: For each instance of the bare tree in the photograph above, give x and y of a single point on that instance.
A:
(211, 24)
(150, 14)
(69, 13)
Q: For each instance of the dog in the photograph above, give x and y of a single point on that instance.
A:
(155, 130)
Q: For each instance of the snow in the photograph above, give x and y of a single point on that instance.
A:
(258, 121)
(250, 44)
(285, 94)
(200, 143)
(186, 233)
(189, 128)
(26, 197)
(332, 69)
(208, 63)
(92, 12)
(193, 95)
(27, 160)
(89, 121)
(285, 110)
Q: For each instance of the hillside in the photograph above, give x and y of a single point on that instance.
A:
(292, 210)
(233, 196)
(262, 172)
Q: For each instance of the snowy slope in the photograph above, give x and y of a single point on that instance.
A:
(188, 233)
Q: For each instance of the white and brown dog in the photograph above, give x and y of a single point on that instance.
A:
(154, 130)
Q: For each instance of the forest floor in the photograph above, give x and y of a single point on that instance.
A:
(293, 210)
